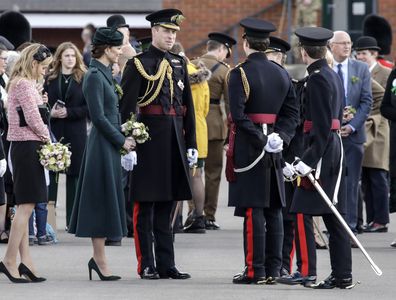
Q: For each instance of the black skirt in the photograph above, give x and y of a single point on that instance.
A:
(28, 173)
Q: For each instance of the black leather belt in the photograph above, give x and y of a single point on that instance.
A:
(214, 101)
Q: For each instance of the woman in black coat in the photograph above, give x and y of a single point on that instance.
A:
(68, 115)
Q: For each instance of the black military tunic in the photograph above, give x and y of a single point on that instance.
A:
(271, 92)
(162, 170)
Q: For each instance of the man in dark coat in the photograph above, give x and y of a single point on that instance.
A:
(156, 82)
(323, 153)
(264, 116)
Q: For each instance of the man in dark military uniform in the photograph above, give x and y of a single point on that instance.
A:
(156, 82)
(323, 154)
(264, 115)
(294, 225)
(218, 49)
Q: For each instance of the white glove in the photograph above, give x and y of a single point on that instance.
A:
(129, 160)
(288, 170)
(3, 167)
(192, 157)
(302, 169)
(274, 143)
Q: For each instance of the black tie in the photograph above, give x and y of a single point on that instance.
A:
(339, 66)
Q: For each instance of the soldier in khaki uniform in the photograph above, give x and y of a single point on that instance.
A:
(218, 49)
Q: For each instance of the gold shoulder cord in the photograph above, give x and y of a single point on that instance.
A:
(164, 69)
(245, 83)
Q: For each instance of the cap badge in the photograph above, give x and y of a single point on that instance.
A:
(178, 19)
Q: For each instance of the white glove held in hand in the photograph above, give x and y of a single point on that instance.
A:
(129, 160)
(192, 157)
(3, 167)
(274, 143)
(302, 169)
(288, 171)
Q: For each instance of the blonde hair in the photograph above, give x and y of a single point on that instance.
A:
(23, 67)
(79, 68)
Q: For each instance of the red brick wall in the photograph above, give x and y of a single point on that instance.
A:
(387, 9)
(204, 16)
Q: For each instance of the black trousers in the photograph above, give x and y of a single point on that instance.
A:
(299, 238)
(262, 239)
(375, 185)
(288, 248)
(152, 225)
(340, 248)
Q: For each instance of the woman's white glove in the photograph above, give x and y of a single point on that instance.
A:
(129, 160)
(3, 167)
(192, 157)
(274, 143)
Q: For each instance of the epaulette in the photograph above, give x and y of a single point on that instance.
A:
(237, 66)
(94, 69)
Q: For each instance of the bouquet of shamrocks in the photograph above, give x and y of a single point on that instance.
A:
(135, 129)
(348, 114)
(55, 157)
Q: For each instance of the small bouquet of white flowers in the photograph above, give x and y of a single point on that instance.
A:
(55, 157)
(135, 129)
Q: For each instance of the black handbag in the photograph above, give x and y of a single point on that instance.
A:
(44, 113)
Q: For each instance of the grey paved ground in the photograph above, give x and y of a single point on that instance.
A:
(211, 258)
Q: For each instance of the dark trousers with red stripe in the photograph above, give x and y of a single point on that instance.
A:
(299, 238)
(263, 237)
(305, 245)
(153, 220)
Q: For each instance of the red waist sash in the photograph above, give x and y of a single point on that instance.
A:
(255, 118)
(157, 110)
(335, 125)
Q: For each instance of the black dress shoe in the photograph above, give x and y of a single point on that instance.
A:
(211, 225)
(376, 227)
(393, 244)
(149, 273)
(284, 272)
(242, 278)
(196, 226)
(331, 282)
(296, 278)
(174, 274)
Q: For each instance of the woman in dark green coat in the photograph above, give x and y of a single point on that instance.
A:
(98, 210)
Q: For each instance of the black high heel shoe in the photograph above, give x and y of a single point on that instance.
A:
(92, 265)
(4, 270)
(25, 272)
